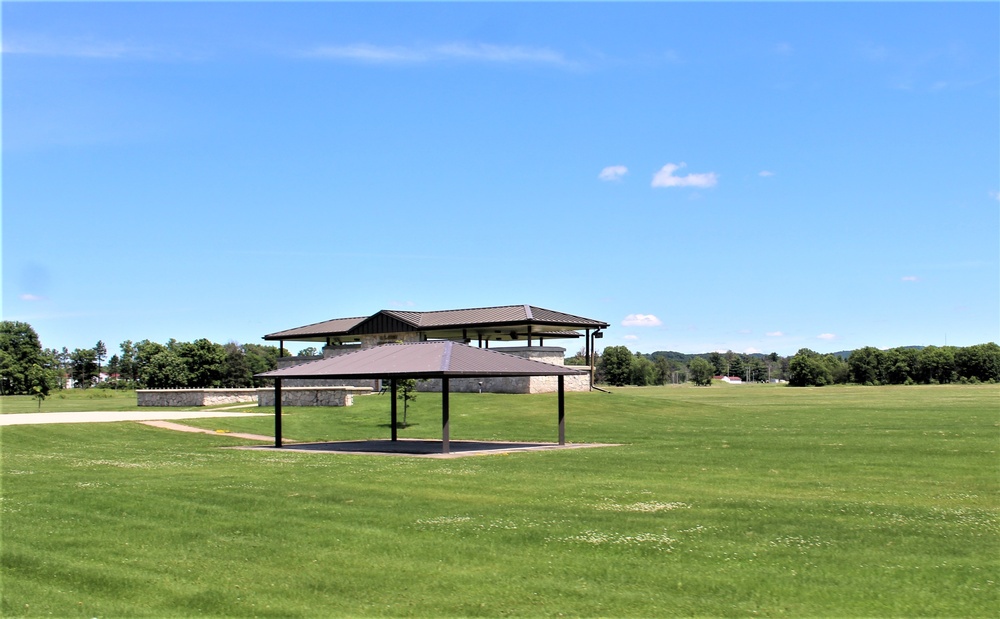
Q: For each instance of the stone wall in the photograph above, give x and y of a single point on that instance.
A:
(311, 396)
(509, 384)
(194, 397)
(516, 384)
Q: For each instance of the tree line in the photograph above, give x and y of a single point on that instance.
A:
(898, 366)
(618, 366)
(28, 368)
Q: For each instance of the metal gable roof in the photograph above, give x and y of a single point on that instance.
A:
(437, 359)
(337, 325)
(391, 321)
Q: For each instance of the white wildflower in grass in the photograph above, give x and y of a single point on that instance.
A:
(659, 540)
(799, 543)
(443, 520)
(643, 506)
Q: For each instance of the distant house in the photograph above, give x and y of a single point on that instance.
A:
(734, 380)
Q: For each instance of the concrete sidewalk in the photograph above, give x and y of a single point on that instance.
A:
(20, 419)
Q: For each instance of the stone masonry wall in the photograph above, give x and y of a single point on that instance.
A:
(312, 396)
(194, 397)
(516, 384)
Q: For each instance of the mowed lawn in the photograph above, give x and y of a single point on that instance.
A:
(721, 501)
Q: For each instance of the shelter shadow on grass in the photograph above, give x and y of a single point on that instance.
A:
(421, 447)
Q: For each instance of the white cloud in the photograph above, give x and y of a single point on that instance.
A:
(774, 334)
(613, 173)
(751, 351)
(995, 195)
(765, 173)
(910, 278)
(665, 177)
(641, 320)
(472, 52)
(826, 336)
(30, 297)
(75, 48)
(630, 337)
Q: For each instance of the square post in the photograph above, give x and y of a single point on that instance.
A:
(445, 422)
(392, 407)
(562, 412)
(277, 412)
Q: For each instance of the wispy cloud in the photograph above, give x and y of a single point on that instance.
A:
(665, 177)
(784, 48)
(826, 336)
(641, 320)
(630, 337)
(30, 297)
(75, 48)
(613, 173)
(765, 173)
(995, 195)
(423, 54)
(910, 278)
(774, 334)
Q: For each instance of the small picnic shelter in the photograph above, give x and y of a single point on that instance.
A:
(442, 360)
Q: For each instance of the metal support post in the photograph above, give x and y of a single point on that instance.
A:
(562, 412)
(277, 412)
(445, 422)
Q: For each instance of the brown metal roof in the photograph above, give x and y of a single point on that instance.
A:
(437, 359)
(447, 323)
(327, 327)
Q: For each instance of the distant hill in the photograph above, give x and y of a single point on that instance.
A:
(686, 358)
(844, 354)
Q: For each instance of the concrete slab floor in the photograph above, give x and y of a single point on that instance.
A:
(421, 448)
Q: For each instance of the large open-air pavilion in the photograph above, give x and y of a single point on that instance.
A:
(441, 360)
(526, 331)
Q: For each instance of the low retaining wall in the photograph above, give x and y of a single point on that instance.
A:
(290, 396)
(312, 396)
(509, 384)
(194, 397)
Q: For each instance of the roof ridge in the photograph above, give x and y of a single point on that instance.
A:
(446, 357)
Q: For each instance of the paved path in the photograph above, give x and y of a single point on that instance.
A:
(18, 419)
(169, 425)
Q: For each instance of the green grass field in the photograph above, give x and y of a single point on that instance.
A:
(722, 501)
(73, 400)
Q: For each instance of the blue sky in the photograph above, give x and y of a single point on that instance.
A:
(747, 177)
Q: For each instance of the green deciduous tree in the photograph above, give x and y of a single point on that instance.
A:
(236, 370)
(866, 366)
(643, 371)
(616, 365)
(701, 371)
(936, 365)
(20, 350)
(165, 370)
(406, 390)
(83, 364)
(807, 368)
(979, 363)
